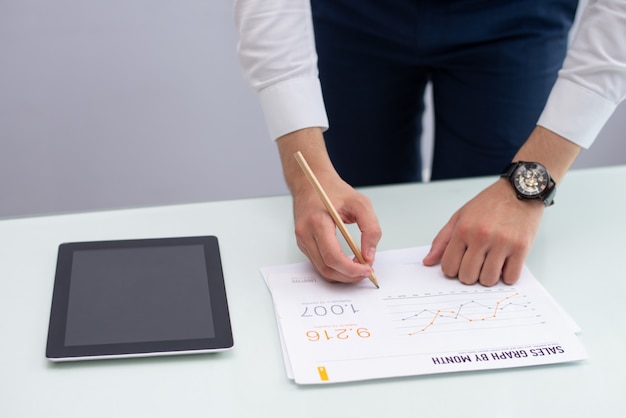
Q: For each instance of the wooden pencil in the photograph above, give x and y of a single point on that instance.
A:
(333, 212)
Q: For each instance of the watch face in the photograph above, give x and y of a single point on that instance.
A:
(530, 179)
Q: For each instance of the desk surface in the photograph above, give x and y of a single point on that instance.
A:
(578, 256)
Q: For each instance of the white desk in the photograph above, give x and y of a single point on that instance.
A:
(579, 256)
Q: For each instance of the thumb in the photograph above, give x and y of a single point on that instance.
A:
(370, 236)
(439, 245)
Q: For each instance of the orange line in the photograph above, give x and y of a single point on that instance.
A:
(468, 319)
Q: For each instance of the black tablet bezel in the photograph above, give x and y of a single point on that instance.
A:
(57, 350)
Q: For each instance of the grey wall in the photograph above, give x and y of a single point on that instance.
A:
(118, 103)
(123, 103)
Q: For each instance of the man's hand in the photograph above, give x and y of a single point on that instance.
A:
(315, 230)
(489, 238)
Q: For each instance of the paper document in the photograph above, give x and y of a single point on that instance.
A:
(418, 322)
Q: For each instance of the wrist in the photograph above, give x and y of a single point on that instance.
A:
(310, 142)
(553, 151)
(530, 181)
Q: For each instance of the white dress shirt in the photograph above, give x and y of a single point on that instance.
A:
(277, 54)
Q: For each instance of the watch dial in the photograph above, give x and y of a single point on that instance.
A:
(531, 179)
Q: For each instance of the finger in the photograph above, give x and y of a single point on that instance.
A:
(453, 250)
(321, 265)
(321, 246)
(335, 264)
(359, 210)
(505, 259)
(471, 265)
(452, 257)
(370, 235)
(315, 260)
(439, 244)
(512, 269)
(492, 267)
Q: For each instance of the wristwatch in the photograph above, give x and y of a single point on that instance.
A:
(531, 181)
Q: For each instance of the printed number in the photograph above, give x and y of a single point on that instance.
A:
(321, 310)
(338, 333)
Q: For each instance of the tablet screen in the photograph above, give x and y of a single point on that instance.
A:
(138, 297)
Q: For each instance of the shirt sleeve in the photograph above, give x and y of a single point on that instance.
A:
(277, 55)
(592, 82)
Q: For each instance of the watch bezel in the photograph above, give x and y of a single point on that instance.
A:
(544, 191)
(525, 173)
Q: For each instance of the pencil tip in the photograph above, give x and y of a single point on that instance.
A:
(374, 280)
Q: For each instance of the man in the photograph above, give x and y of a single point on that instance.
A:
(489, 238)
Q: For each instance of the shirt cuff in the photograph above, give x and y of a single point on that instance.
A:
(575, 112)
(292, 105)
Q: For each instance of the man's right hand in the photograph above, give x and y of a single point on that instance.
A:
(315, 230)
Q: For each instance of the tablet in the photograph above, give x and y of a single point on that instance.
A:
(141, 297)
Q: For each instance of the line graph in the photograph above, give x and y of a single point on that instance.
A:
(459, 311)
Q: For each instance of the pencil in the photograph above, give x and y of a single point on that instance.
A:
(333, 212)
